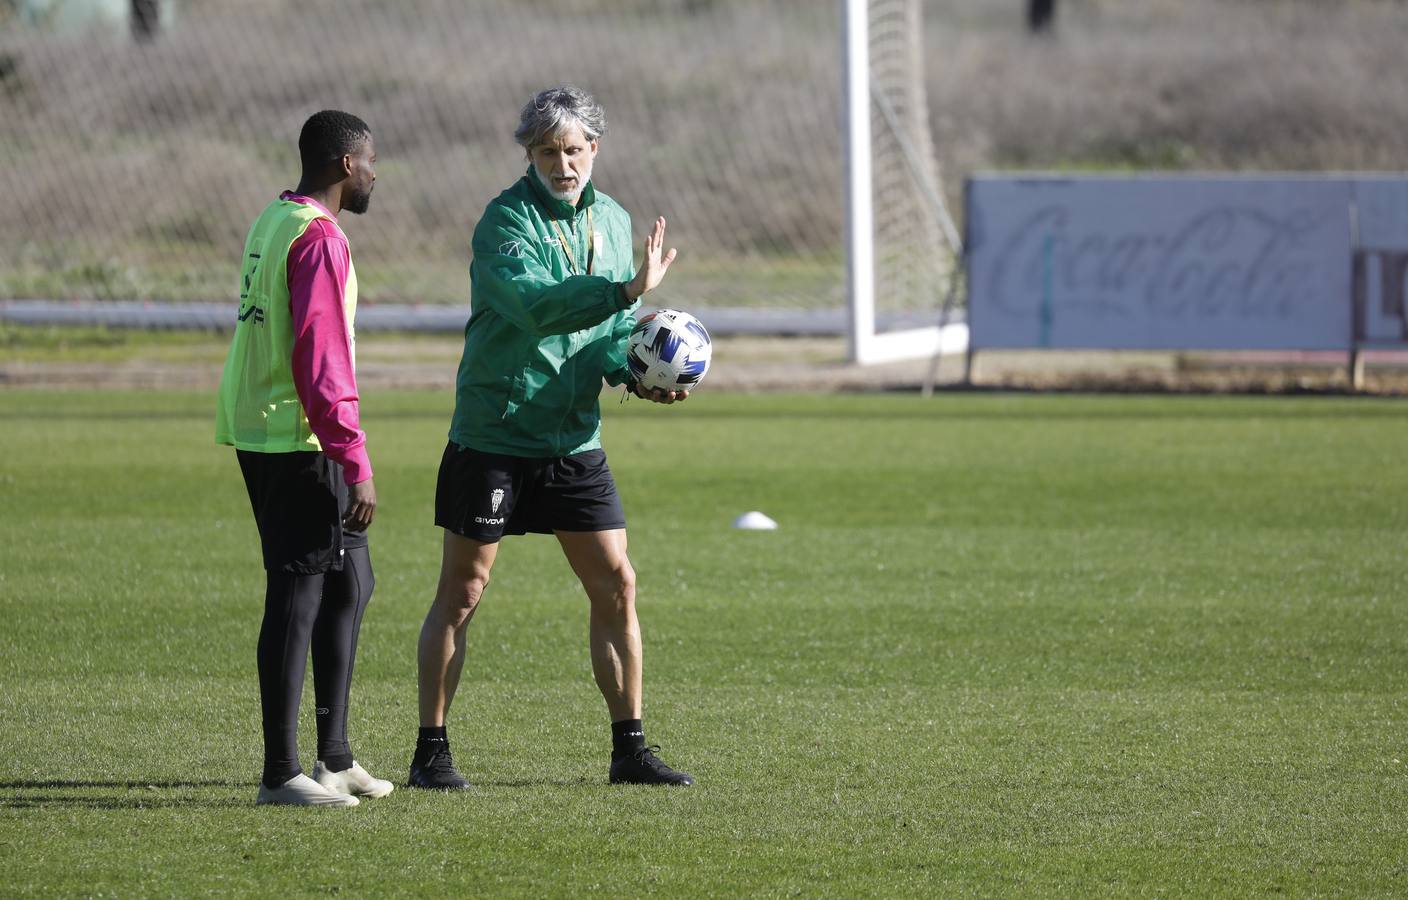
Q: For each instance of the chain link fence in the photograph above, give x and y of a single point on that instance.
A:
(137, 156)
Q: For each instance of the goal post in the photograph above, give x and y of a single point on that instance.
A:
(860, 209)
(901, 259)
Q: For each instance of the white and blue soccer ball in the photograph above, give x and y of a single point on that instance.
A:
(669, 350)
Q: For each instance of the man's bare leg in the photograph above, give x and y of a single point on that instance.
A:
(600, 562)
(464, 574)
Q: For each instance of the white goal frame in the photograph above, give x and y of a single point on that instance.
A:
(866, 345)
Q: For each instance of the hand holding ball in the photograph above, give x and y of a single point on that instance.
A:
(669, 350)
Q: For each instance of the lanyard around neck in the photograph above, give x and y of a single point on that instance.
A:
(567, 248)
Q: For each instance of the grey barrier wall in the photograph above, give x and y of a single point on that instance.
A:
(396, 317)
(1192, 262)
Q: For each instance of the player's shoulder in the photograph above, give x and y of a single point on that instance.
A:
(510, 209)
(321, 238)
(323, 230)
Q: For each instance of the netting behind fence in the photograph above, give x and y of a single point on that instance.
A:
(132, 168)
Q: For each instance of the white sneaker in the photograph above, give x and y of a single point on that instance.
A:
(356, 781)
(300, 790)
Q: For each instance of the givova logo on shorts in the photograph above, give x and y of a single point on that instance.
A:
(496, 497)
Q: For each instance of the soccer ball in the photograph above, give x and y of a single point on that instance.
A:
(668, 350)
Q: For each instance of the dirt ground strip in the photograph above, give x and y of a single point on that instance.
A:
(756, 364)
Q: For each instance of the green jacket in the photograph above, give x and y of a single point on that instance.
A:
(540, 339)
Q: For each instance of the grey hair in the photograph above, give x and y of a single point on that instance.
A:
(556, 109)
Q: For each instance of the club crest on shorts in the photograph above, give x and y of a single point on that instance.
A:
(496, 496)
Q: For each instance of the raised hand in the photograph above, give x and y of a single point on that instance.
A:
(656, 263)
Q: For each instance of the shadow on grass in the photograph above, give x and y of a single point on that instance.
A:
(535, 782)
(61, 784)
(114, 794)
(78, 793)
(78, 801)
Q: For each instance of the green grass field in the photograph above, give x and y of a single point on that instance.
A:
(1000, 645)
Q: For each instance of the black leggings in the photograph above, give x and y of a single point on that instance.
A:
(323, 611)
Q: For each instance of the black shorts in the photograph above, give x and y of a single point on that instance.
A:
(485, 496)
(299, 500)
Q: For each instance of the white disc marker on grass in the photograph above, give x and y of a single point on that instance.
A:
(754, 521)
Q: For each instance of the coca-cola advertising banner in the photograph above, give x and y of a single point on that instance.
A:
(1187, 262)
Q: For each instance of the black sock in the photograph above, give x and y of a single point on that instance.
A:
(337, 759)
(627, 737)
(429, 740)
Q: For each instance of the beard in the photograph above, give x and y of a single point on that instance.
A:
(357, 202)
(567, 196)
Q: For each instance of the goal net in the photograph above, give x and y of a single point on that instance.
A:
(135, 159)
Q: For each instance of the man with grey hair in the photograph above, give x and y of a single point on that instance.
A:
(552, 289)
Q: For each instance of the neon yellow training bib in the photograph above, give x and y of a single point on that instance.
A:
(258, 406)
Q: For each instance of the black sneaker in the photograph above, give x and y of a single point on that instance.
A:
(437, 772)
(644, 767)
